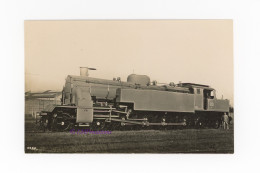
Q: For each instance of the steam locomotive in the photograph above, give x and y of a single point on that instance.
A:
(137, 103)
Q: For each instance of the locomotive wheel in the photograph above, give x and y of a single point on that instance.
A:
(122, 124)
(114, 126)
(163, 127)
(98, 125)
(62, 122)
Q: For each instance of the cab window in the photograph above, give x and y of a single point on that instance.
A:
(212, 94)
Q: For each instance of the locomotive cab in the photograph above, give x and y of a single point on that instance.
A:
(204, 96)
(208, 97)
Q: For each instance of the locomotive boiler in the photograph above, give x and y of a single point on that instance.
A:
(136, 103)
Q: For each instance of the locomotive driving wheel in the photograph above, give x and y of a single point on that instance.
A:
(62, 122)
(163, 125)
(98, 125)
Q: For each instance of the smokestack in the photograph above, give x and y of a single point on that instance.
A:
(83, 71)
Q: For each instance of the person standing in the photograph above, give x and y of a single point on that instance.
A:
(225, 121)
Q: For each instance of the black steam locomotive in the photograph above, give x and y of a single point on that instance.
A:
(137, 103)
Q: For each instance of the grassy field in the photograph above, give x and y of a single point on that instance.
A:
(143, 141)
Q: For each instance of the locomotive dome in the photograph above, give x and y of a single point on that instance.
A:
(138, 79)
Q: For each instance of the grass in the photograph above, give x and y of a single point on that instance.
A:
(143, 141)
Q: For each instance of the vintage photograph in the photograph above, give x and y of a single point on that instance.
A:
(129, 86)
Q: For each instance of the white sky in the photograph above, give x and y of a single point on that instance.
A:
(198, 51)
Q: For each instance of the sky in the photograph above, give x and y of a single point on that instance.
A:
(196, 51)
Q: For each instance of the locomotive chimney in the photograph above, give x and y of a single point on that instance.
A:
(83, 71)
